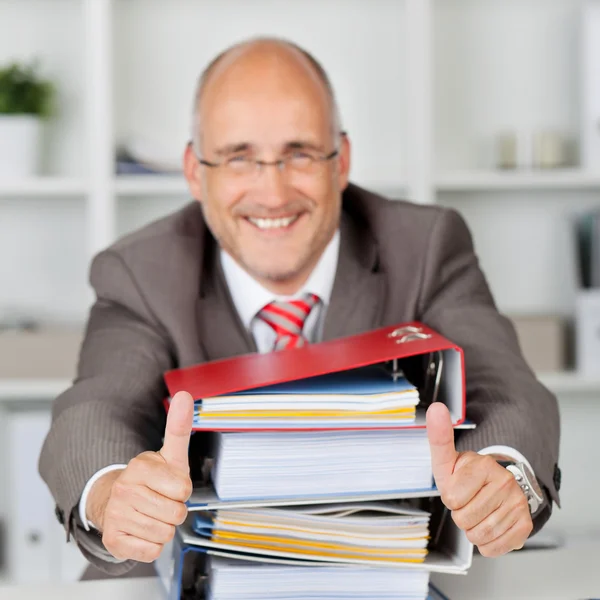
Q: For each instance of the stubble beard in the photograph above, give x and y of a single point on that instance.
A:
(304, 262)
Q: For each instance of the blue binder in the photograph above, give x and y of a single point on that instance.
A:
(170, 569)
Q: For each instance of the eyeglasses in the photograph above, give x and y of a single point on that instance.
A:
(299, 162)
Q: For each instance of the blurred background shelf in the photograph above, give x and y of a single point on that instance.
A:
(481, 180)
(44, 186)
(150, 185)
(29, 391)
(572, 384)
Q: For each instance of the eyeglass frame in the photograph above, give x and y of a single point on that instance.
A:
(280, 163)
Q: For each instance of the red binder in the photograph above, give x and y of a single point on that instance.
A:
(387, 345)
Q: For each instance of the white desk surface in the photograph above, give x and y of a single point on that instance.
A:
(115, 589)
(571, 573)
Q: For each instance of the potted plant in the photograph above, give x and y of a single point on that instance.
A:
(25, 99)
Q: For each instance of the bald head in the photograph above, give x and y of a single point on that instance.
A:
(269, 162)
(270, 63)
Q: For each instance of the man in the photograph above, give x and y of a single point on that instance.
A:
(276, 219)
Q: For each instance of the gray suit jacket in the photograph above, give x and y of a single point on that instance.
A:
(162, 302)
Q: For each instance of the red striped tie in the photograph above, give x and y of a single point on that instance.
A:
(287, 320)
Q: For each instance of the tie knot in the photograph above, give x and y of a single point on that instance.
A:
(287, 319)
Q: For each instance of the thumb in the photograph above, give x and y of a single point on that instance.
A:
(178, 431)
(441, 443)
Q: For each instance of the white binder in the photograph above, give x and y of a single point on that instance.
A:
(37, 551)
(30, 556)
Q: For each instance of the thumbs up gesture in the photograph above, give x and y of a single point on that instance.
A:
(484, 497)
(137, 508)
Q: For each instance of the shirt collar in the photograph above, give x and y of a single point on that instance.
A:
(249, 296)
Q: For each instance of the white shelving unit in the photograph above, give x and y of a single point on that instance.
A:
(424, 86)
(25, 391)
(150, 185)
(518, 181)
(571, 384)
(47, 187)
(422, 132)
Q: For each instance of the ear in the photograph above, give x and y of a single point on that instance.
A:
(192, 171)
(344, 161)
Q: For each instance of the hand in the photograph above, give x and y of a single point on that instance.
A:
(137, 508)
(485, 499)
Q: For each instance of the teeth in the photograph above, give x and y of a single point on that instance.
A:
(272, 223)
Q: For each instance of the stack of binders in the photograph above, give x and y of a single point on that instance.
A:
(319, 482)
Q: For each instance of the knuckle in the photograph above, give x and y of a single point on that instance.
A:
(123, 494)
(111, 544)
(120, 489)
(111, 515)
(524, 502)
(188, 488)
(483, 534)
(162, 532)
(119, 555)
(183, 489)
(507, 479)
(520, 504)
(108, 540)
(451, 500)
(144, 457)
(493, 549)
(143, 465)
(489, 463)
(487, 533)
(459, 517)
(525, 528)
(137, 463)
(149, 553)
(168, 534)
(131, 548)
(180, 513)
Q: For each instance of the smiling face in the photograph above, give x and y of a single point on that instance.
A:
(266, 102)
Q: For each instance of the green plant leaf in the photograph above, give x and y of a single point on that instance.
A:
(23, 91)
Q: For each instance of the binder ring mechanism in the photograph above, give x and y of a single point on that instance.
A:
(409, 333)
(435, 366)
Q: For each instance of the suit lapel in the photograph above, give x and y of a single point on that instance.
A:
(359, 289)
(221, 331)
(356, 304)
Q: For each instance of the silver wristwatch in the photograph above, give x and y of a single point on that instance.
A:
(526, 479)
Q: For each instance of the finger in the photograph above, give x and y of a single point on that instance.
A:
(472, 472)
(145, 528)
(441, 443)
(494, 526)
(145, 481)
(162, 509)
(478, 495)
(155, 504)
(513, 538)
(178, 431)
(128, 547)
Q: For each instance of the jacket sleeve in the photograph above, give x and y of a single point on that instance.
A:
(504, 398)
(113, 411)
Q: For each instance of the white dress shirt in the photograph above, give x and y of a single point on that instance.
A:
(249, 297)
